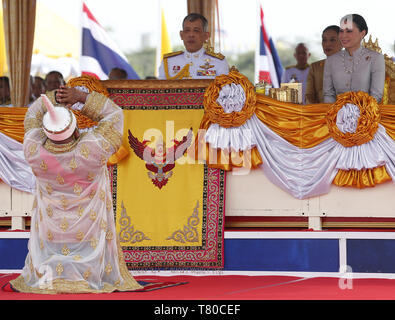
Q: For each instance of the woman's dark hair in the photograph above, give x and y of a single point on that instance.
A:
(333, 28)
(359, 22)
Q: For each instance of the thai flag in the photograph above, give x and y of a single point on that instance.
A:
(268, 66)
(99, 52)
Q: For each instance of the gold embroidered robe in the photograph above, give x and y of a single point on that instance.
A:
(73, 246)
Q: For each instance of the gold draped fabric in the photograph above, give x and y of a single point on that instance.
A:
(304, 126)
(19, 22)
(214, 113)
(368, 121)
(361, 178)
(388, 119)
(90, 82)
(11, 122)
(214, 110)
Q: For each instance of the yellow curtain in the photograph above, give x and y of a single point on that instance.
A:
(19, 21)
(3, 56)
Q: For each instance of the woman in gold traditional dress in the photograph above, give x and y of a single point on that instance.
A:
(330, 45)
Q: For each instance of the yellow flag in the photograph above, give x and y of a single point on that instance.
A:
(165, 39)
(164, 46)
(3, 56)
(156, 212)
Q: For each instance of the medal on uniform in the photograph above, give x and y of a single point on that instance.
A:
(207, 65)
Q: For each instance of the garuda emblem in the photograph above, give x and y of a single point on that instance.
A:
(159, 160)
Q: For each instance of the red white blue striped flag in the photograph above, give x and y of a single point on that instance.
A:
(268, 66)
(99, 52)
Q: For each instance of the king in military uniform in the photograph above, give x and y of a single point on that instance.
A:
(196, 62)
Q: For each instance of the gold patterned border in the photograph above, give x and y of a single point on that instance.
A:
(157, 84)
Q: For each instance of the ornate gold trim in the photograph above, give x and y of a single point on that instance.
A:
(183, 74)
(106, 130)
(157, 84)
(33, 123)
(189, 232)
(127, 232)
(52, 147)
(94, 106)
(67, 286)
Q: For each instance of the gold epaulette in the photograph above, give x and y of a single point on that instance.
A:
(172, 54)
(289, 67)
(217, 55)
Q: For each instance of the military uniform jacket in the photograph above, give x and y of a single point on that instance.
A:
(197, 65)
(363, 71)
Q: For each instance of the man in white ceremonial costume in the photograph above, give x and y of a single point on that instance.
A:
(73, 245)
(196, 62)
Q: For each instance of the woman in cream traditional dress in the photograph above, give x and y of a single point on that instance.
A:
(73, 245)
(354, 68)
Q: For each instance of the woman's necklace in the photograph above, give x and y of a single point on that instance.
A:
(354, 65)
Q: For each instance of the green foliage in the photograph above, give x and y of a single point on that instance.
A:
(245, 63)
(143, 62)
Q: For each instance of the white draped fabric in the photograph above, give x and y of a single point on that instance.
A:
(14, 170)
(303, 172)
(232, 98)
(236, 138)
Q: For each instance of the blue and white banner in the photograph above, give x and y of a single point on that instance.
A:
(99, 52)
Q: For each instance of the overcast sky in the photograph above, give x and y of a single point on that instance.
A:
(129, 20)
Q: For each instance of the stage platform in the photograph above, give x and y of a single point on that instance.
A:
(344, 254)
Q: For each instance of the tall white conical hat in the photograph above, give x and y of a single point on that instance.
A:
(59, 123)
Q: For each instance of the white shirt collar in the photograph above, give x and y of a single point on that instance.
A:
(195, 55)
